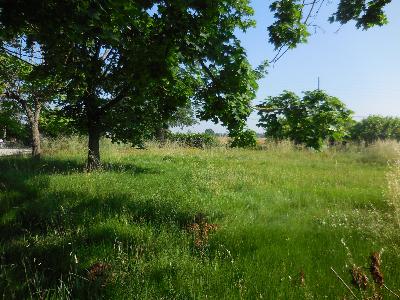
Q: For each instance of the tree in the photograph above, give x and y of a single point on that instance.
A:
(121, 59)
(309, 120)
(126, 62)
(375, 128)
(209, 131)
(24, 85)
(294, 18)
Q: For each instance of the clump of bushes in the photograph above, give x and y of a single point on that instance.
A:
(374, 128)
(196, 140)
(244, 139)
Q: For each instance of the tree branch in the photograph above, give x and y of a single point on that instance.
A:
(113, 102)
(310, 11)
(207, 70)
(105, 55)
(16, 55)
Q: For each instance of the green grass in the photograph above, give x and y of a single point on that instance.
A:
(278, 213)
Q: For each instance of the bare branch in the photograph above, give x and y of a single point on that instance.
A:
(18, 56)
(280, 56)
(310, 11)
(105, 55)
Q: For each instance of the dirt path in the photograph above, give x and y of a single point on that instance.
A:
(5, 152)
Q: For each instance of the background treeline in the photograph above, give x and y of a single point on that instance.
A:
(375, 128)
(367, 130)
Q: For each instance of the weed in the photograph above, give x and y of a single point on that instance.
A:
(375, 268)
(201, 230)
(359, 278)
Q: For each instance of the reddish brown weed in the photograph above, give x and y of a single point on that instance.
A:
(201, 230)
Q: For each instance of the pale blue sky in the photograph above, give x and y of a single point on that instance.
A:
(362, 68)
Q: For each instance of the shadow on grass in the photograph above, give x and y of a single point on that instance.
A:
(49, 166)
(39, 230)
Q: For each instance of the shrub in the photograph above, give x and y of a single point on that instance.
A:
(196, 140)
(375, 128)
(244, 139)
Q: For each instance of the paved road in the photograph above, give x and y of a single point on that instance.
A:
(4, 152)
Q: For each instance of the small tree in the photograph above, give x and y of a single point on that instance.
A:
(24, 85)
(53, 123)
(209, 131)
(309, 120)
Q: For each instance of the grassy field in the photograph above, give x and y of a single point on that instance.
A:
(178, 223)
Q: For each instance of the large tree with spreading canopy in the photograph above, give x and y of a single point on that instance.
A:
(127, 64)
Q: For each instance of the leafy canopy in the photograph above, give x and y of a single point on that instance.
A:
(128, 64)
(293, 19)
(375, 128)
(309, 120)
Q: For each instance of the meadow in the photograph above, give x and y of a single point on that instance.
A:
(183, 223)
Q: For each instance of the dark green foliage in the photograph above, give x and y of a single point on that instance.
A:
(244, 139)
(11, 123)
(209, 131)
(130, 65)
(183, 116)
(309, 120)
(196, 140)
(54, 124)
(289, 28)
(294, 18)
(367, 13)
(375, 128)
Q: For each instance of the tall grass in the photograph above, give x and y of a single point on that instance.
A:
(184, 223)
(393, 190)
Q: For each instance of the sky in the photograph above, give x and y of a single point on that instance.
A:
(362, 68)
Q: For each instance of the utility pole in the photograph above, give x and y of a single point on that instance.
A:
(318, 83)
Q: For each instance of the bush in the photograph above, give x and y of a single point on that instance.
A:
(244, 139)
(196, 140)
(376, 128)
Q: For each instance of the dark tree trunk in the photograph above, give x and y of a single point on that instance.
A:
(160, 135)
(94, 131)
(93, 161)
(36, 149)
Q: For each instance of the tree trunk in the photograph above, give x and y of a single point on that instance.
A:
(160, 135)
(93, 161)
(36, 150)
(33, 117)
(94, 132)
